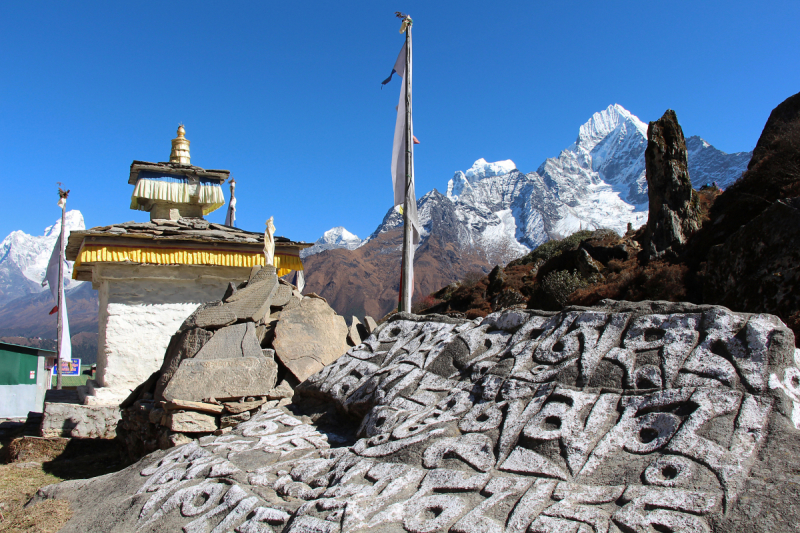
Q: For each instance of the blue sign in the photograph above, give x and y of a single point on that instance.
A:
(71, 367)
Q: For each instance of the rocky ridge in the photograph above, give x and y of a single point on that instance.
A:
(623, 417)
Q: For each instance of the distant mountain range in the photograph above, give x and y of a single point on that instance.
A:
(497, 212)
(489, 214)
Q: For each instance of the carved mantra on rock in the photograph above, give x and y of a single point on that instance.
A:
(582, 421)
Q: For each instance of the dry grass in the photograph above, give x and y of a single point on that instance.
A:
(18, 483)
(35, 462)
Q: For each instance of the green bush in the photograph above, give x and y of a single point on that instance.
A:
(559, 284)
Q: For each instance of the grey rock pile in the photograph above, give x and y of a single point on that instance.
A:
(621, 418)
(231, 357)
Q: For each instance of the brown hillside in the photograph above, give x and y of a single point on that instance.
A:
(366, 281)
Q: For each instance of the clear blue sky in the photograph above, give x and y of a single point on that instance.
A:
(287, 95)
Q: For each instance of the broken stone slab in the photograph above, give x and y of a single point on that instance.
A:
(241, 407)
(222, 378)
(233, 420)
(315, 295)
(238, 340)
(309, 337)
(370, 325)
(282, 296)
(176, 405)
(354, 332)
(282, 390)
(191, 422)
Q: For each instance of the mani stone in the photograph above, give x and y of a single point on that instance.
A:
(222, 378)
(238, 340)
(215, 317)
(253, 302)
(191, 422)
(182, 346)
(309, 336)
(259, 273)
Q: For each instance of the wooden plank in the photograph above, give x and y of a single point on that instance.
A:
(193, 406)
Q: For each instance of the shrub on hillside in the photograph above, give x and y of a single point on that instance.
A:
(554, 248)
(559, 284)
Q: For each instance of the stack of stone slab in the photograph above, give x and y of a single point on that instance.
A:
(629, 417)
(228, 359)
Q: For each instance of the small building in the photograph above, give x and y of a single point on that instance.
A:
(25, 375)
(152, 275)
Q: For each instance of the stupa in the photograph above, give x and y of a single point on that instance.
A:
(151, 275)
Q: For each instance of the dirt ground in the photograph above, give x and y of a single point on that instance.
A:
(28, 462)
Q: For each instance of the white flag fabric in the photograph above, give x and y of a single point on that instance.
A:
(51, 279)
(299, 280)
(269, 242)
(230, 216)
(399, 153)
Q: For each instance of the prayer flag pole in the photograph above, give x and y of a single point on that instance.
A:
(62, 201)
(407, 278)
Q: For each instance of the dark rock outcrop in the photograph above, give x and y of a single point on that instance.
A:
(673, 213)
(758, 267)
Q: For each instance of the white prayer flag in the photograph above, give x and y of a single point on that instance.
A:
(230, 216)
(269, 242)
(399, 148)
(51, 279)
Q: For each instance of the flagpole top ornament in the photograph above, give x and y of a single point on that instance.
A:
(407, 22)
(180, 148)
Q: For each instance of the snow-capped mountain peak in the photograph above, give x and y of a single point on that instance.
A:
(73, 220)
(24, 258)
(337, 237)
(481, 169)
(603, 123)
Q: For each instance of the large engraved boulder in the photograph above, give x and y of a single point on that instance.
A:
(673, 215)
(309, 336)
(626, 417)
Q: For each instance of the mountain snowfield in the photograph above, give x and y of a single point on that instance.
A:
(597, 182)
(24, 258)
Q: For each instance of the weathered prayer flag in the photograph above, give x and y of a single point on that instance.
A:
(399, 149)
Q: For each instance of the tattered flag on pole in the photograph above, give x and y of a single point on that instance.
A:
(52, 281)
(399, 149)
(269, 242)
(230, 216)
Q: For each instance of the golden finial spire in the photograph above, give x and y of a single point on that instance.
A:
(180, 148)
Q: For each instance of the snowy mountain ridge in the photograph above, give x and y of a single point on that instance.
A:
(596, 182)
